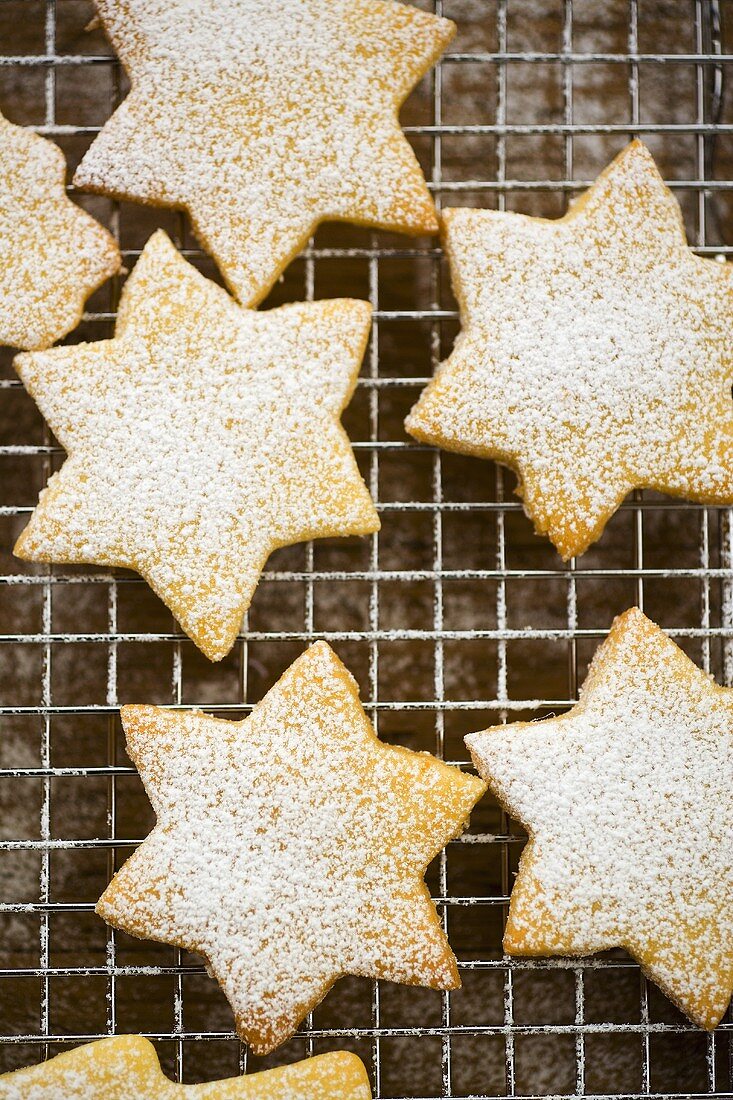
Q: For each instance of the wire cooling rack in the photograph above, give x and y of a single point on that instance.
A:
(454, 617)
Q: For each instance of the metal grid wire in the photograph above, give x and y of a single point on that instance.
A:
(454, 617)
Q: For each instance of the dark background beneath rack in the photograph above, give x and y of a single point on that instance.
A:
(455, 617)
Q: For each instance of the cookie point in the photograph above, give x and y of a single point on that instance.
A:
(710, 1020)
(634, 616)
(636, 143)
(323, 651)
(449, 214)
(638, 151)
(215, 648)
(135, 715)
(414, 425)
(432, 222)
(633, 612)
(158, 242)
(510, 944)
(159, 237)
(19, 550)
(102, 910)
(80, 178)
(451, 29)
(470, 740)
(347, 1064)
(214, 653)
(346, 1058)
(478, 786)
(356, 311)
(142, 1047)
(453, 980)
(478, 746)
(358, 305)
(375, 523)
(22, 360)
(567, 543)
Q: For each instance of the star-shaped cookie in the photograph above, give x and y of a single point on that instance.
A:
(262, 118)
(52, 253)
(627, 800)
(290, 847)
(595, 355)
(201, 438)
(126, 1067)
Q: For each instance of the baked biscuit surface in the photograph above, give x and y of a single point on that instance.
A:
(126, 1067)
(201, 438)
(290, 848)
(263, 118)
(52, 253)
(627, 802)
(595, 354)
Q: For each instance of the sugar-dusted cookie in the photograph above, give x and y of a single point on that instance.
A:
(52, 253)
(126, 1067)
(627, 800)
(200, 438)
(289, 848)
(595, 355)
(262, 118)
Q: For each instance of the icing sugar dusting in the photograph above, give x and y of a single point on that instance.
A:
(126, 1067)
(595, 355)
(290, 847)
(264, 117)
(201, 438)
(627, 801)
(52, 253)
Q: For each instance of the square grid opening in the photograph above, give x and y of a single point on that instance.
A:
(454, 617)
